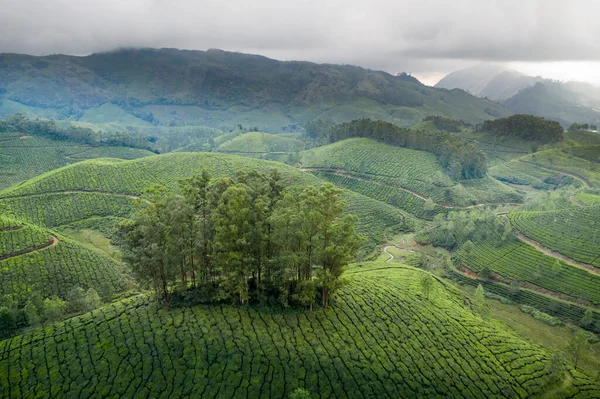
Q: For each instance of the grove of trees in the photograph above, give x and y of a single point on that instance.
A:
(526, 127)
(461, 159)
(246, 239)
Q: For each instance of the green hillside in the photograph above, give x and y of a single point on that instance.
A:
(23, 157)
(403, 169)
(381, 338)
(169, 87)
(257, 142)
(33, 259)
(109, 188)
(574, 232)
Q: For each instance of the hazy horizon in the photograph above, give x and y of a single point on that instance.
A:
(428, 39)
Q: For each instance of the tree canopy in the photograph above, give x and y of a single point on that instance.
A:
(527, 127)
(244, 240)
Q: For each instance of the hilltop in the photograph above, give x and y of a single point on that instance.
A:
(169, 87)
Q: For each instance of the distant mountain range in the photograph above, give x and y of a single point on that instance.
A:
(169, 87)
(565, 102)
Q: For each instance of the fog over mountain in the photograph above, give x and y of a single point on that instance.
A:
(426, 38)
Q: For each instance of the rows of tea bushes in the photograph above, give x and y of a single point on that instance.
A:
(62, 204)
(568, 312)
(381, 338)
(55, 269)
(574, 231)
(556, 160)
(398, 166)
(377, 220)
(515, 260)
(23, 157)
(52, 210)
(588, 199)
(25, 239)
(393, 196)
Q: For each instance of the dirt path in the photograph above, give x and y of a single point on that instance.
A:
(385, 249)
(556, 255)
(350, 176)
(583, 179)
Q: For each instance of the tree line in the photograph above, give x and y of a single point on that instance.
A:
(461, 159)
(578, 127)
(526, 127)
(447, 124)
(50, 128)
(246, 239)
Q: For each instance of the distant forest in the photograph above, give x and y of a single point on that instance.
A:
(527, 127)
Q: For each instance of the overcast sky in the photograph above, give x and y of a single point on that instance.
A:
(553, 38)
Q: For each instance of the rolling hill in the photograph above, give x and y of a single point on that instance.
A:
(103, 188)
(169, 87)
(23, 157)
(33, 259)
(381, 338)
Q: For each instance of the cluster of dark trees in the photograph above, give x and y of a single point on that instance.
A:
(461, 159)
(578, 127)
(527, 127)
(244, 240)
(42, 311)
(18, 123)
(447, 124)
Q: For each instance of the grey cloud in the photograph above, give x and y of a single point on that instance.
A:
(393, 35)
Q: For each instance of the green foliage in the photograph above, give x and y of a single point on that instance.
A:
(8, 322)
(300, 393)
(577, 345)
(379, 339)
(480, 305)
(587, 319)
(447, 124)
(80, 300)
(247, 237)
(71, 132)
(460, 159)
(527, 127)
(54, 309)
(427, 284)
(541, 316)
(574, 231)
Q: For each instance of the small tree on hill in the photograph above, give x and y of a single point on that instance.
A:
(305, 293)
(8, 323)
(54, 309)
(587, 319)
(577, 346)
(480, 303)
(300, 393)
(555, 366)
(427, 285)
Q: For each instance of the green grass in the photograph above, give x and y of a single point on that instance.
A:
(100, 188)
(380, 338)
(588, 199)
(36, 259)
(25, 158)
(590, 153)
(417, 171)
(574, 232)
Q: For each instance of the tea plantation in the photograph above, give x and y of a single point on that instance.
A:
(574, 232)
(381, 338)
(35, 259)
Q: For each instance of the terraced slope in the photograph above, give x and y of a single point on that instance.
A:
(381, 338)
(261, 143)
(546, 168)
(36, 259)
(415, 171)
(574, 232)
(106, 188)
(23, 157)
(516, 260)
